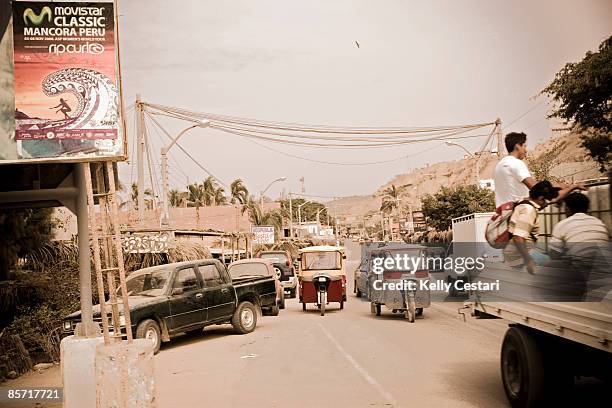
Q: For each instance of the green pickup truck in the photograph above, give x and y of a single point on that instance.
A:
(185, 297)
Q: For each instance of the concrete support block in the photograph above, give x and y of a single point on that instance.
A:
(78, 356)
(124, 375)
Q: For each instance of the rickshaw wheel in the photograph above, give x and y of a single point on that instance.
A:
(323, 302)
(303, 306)
(341, 305)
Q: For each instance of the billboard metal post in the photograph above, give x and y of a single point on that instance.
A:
(88, 329)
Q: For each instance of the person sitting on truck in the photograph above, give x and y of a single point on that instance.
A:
(580, 237)
(512, 177)
(524, 227)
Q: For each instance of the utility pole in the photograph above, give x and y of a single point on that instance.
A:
(500, 138)
(140, 147)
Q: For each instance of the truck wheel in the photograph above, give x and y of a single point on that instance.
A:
(452, 291)
(341, 305)
(522, 369)
(303, 306)
(149, 329)
(245, 318)
(410, 313)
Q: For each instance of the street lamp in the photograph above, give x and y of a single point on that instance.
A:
(266, 189)
(164, 165)
(300, 211)
(448, 143)
(477, 165)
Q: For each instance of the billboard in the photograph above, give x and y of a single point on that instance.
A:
(67, 104)
(263, 235)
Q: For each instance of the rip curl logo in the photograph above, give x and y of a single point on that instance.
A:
(87, 48)
(30, 17)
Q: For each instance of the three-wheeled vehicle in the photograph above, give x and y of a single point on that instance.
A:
(398, 288)
(322, 278)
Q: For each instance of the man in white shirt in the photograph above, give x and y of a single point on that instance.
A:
(512, 177)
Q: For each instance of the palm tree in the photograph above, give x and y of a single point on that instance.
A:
(257, 217)
(213, 194)
(219, 196)
(177, 198)
(391, 199)
(195, 197)
(238, 192)
(148, 193)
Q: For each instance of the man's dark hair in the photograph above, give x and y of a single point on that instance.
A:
(513, 139)
(544, 189)
(577, 203)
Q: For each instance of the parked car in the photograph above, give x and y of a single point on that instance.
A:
(285, 269)
(186, 297)
(256, 268)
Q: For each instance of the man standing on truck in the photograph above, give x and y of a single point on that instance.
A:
(512, 177)
(524, 227)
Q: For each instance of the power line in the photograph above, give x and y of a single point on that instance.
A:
(185, 114)
(524, 114)
(342, 163)
(341, 146)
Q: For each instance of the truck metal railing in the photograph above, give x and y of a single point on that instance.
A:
(599, 196)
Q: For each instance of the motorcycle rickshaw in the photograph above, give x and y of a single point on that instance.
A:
(407, 297)
(321, 277)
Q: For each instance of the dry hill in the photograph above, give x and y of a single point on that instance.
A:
(561, 157)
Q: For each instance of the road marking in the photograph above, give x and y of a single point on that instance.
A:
(359, 368)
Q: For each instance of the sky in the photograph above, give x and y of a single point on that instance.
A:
(418, 63)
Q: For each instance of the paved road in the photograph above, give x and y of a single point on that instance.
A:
(345, 358)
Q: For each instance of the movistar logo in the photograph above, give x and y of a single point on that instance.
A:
(37, 19)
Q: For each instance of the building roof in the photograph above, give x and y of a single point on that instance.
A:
(322, 248)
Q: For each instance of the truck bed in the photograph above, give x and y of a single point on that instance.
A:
(588, 323)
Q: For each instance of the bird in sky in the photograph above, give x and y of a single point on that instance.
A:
(357, 44)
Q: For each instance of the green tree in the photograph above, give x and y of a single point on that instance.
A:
(448, 203)
(542, 166)
(238, 192)
(177, 198)
(391, 198)
(308, 211)
(195, 197)
(148, 196)
(22, 230)
(258, 217)
(213, 193)
(583, 93)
